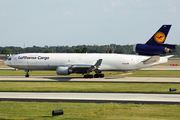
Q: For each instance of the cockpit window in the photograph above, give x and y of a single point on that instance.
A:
(9, 58)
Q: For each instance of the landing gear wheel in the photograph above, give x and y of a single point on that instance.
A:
(88, 76)
(96, 75)
(85, 76)
(99, 75)
(91, 76)
(27, 73)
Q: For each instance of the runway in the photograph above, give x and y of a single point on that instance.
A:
(162, 68)
(140, 98)
(81, 79)
(92, 97)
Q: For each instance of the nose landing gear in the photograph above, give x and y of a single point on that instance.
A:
(27, 73)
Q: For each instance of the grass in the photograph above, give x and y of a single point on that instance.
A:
(4, 67)
(167, 64)
(170, 62)
(87, 87)
(95, 111)
(164, 73)
(107, 73)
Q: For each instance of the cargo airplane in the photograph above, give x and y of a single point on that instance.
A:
(84, 63)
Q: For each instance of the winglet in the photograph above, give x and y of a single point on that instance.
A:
(98, 63)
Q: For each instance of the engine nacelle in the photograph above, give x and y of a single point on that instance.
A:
(63, 70)
(144, 49)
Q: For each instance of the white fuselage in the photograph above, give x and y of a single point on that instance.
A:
(50, 61)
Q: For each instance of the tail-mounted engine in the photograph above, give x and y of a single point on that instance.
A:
(144, 49)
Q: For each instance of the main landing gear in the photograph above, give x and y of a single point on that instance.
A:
(99, 75)
(27, 73)
(88, 76)
(95, 76)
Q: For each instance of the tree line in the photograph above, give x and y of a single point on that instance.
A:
(112, 48)
(126, 49)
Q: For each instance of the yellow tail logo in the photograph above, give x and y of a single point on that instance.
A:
(159, 37)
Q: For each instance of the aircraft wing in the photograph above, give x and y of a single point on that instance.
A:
(82, 66)
(151, 59)
(86, 67)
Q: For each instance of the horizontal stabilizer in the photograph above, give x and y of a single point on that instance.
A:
(168, 56)
(151, 59)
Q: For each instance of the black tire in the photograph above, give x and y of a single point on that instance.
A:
(26, 75)
(85, 76)
(96, 75)
(91, 76)
(88, 76)
(101, 75)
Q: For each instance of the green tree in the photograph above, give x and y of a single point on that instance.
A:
(120, 52)
(72, 51)
(77, 50)
(110, 51)
(84, 50)
(47, 51)
(6, 51)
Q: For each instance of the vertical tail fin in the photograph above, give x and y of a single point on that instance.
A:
(159, 36)
(155, 45)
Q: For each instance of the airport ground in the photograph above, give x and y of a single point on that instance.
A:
(155, 102)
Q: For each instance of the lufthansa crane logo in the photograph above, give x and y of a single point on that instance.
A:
(159, 37)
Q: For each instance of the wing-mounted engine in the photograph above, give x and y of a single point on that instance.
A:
(144, 49)
(63, 70)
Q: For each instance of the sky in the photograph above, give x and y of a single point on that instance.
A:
(25, 23)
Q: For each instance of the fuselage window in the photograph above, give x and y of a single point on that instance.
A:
(9, 58)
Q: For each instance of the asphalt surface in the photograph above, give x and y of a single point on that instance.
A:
(2, 63)
(81, 79)
(162, 68)
(92, 97)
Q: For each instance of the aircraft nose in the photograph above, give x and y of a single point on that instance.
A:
(6, 63)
